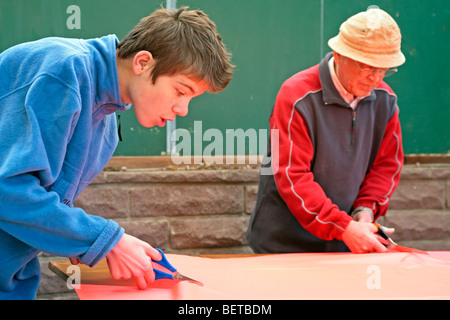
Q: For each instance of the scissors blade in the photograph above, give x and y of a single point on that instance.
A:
(395, 246)
(179, 276)
(406, 249)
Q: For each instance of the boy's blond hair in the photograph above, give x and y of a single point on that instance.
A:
(183, 42)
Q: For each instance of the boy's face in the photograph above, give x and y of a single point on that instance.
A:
(169, 96)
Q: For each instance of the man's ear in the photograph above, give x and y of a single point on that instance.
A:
(337, 57)
(142, 61)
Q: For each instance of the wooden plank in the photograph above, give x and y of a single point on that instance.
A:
(101, 271)
(88, 274)
(168, 162)
(159, 162)
(427, 158)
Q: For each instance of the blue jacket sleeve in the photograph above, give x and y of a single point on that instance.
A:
(36, 122)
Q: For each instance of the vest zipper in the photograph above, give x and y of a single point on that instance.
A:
(352, 136)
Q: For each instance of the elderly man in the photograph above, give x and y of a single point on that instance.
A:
(339, 151)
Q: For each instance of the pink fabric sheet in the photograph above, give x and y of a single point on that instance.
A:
(390, 275)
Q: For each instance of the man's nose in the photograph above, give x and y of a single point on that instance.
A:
(376, 75)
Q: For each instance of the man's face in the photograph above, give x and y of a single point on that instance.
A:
(354, 81)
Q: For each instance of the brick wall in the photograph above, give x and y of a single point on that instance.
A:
(207, 211)
(420, 207)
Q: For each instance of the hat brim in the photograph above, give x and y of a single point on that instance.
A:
(378, 60)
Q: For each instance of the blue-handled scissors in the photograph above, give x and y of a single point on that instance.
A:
(174, 274)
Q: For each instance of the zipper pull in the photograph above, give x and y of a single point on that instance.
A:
(352, 135)
(119, 126)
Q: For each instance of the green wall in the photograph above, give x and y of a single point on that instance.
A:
(270, 40)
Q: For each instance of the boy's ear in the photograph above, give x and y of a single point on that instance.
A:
(142, 61)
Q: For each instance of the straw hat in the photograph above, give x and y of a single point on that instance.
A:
(371, 37)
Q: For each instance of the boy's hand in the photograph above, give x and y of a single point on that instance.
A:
(131, 258)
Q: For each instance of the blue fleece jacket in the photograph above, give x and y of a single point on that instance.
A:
(57, 132)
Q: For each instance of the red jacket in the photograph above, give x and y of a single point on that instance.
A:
(331, 159)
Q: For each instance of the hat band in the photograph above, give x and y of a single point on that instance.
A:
(365, 47)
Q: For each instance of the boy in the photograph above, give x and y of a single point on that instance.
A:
(58, 99)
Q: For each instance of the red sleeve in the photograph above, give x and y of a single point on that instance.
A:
(295, 182)
(384, 175)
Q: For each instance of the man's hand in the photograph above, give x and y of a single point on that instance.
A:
(131, 258)
(363, 216)
(360, 237)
